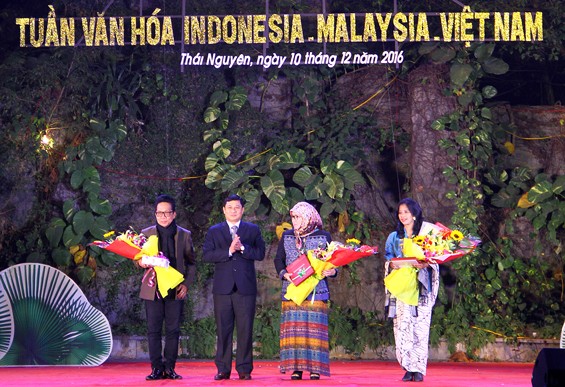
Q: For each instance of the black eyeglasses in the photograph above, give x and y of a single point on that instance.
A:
(165, 214)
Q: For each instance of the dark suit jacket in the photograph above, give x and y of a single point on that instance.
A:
(239, 269)
(186, 261)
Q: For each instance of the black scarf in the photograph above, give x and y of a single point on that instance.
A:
(167, 242)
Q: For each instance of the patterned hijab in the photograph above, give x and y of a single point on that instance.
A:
(306, 221)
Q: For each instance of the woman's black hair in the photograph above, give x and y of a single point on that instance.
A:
(416, 212)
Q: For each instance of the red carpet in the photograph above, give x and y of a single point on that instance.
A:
(266, 373)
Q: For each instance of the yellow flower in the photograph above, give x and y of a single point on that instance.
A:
(109, 234)
(353, 241)
(456, 235)
(419, 240)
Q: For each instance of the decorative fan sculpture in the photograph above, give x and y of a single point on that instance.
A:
(45, 319)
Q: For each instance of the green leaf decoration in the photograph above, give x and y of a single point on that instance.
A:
(222, 148)
(442, 54)
(427, 47)
(459, 73)
(69, 209)
(350, 176)
(274, 188)
(61, 256)
(558, 185)
(489, 92)
(99, 227)
(77, 178)
(224, 120)
(483, 52)
(292, 158)
(438, 125)
(334, 186)
(495, 66)
(211, 114)
(119, 128)
(294, 195)
(540, 192)
(82, 221)
(215, 176)
(303, 176)
(55, 231)
(314, 190)
(101, 206)
(252, 200)
(211, 162)
(237, 98)
(218, 98)
(326, 209)
(327, 166)
(233, 179)
(56, 325)
(70, 237)
(212, 134)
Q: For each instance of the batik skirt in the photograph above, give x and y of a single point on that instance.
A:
(304, 338)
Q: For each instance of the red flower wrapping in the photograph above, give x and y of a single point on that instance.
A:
(119, 247)
(344, 256)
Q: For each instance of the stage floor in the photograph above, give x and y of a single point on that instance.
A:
(266, 373)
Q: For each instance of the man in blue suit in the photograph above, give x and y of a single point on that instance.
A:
(234, 246)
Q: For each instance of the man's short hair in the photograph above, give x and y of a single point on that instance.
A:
(164, 198)
(233, 197)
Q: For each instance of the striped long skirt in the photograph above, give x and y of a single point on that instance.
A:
(304, 338)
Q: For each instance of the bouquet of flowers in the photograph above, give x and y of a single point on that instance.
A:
(307, 274)
(440, 245)
(135, 246)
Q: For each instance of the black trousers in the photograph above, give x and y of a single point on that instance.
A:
(239, 310)
(159, 311)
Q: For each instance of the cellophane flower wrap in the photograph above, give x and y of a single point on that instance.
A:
(333, 255)
(440, 245)
(134, 246)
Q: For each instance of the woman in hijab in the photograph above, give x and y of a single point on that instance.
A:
(304, 343)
